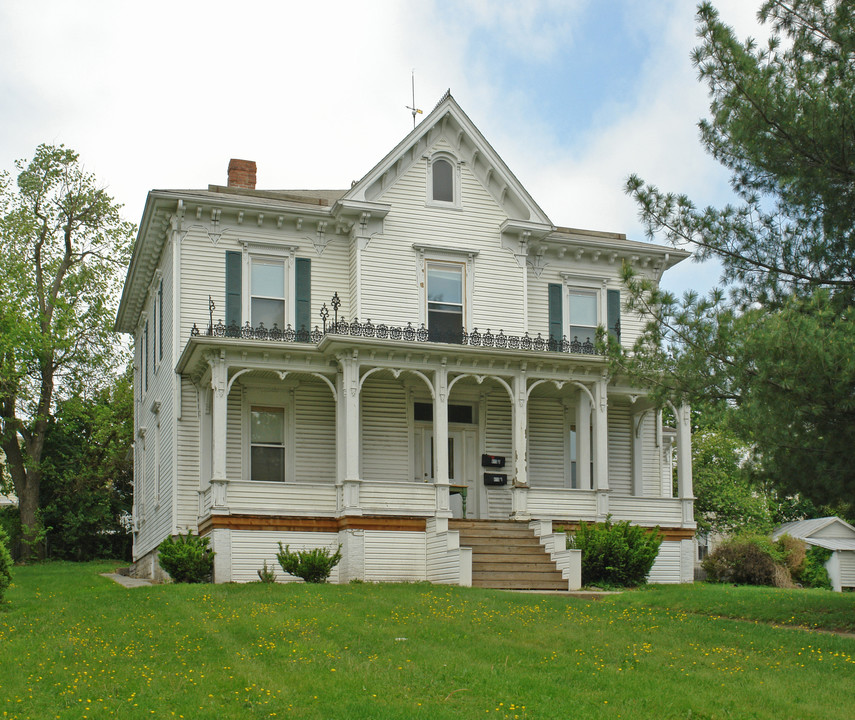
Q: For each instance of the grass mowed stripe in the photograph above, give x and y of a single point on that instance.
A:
(75, 645)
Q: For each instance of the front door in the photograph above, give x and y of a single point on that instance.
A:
(462, 467)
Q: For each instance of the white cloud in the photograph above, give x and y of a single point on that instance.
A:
(162, 94)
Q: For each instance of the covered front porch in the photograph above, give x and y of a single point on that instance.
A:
(384, 428)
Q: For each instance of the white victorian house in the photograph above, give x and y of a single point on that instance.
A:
(406, 368)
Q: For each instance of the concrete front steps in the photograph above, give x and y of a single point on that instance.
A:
(517, 555)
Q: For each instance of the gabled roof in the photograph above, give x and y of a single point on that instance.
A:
(448, 120)
(807, 529)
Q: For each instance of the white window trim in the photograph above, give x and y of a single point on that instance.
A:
(426, 254)
(455, 179)
(156, 280)
(143, 350)
(273, 252)
(269, 396)
(585, 284)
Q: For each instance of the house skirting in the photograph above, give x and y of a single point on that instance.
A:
(375, 548)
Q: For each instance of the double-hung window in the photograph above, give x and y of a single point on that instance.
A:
(267, 443)
(267, 293)
(577, 308)
(583, 315)
(267, 285)
(445, 293)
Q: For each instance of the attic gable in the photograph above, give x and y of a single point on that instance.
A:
(448, 121)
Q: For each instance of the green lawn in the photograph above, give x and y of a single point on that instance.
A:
(75, 645)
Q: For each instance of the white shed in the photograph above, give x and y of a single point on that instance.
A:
(833, 534)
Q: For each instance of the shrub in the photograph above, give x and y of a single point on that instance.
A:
(813, 573)
(314, 566)
(266, 574)
(748, 560)
(187, 558)
(5, 564)
(616, 553)
(794, 552)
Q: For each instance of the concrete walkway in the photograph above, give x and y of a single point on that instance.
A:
(126, 581)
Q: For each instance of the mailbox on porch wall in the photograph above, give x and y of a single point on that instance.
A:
(495, 478)
(493, 461)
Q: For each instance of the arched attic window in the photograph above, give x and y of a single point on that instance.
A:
(443, 182)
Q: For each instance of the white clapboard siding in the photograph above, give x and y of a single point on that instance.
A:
(203, 272)
(443, 555)
(188, 460)
(397, 498)
(546, 441)
(395, 556)
(314, 433)
(390, 285)
(666, 569)
(646, 510)
(330, 275)
(652, 479)
(620, 449)
(203, 275)
(155, 412)
(499, 441)
(234, 430)
(250, 548)
(846, 559)
(281, 498)
(562, 504)
(385, 438)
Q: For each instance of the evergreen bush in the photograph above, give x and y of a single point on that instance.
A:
(187, 558)
(616, 554)
(314, 566)
(266, 574)
(5, 564)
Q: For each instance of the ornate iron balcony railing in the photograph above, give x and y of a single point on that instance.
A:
(408, 333)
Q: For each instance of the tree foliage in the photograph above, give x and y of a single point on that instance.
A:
(779, 345)
(62, 244)
(87, 482)
(726, 499)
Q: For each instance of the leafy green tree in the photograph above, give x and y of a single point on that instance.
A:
(63, 244)
(778, 346)
(87, 480)
(726, 499)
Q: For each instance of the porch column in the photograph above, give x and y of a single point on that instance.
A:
(601, 447)
(219, 408)
(348, 435)
(519, 417)
(684, 462)
(583, 441)
(440, 440)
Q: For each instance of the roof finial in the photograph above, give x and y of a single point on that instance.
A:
(416, 111)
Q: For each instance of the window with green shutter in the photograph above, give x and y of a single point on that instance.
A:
(613, 307)
(234, 272)
(556, 316)
(303, 294)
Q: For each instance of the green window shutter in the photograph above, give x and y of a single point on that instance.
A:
(303, 294)
(234, 271)
(556, 315)
(614, 313)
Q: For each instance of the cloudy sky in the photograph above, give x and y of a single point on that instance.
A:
(574, 94)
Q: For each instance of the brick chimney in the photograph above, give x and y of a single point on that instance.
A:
(242, 174)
